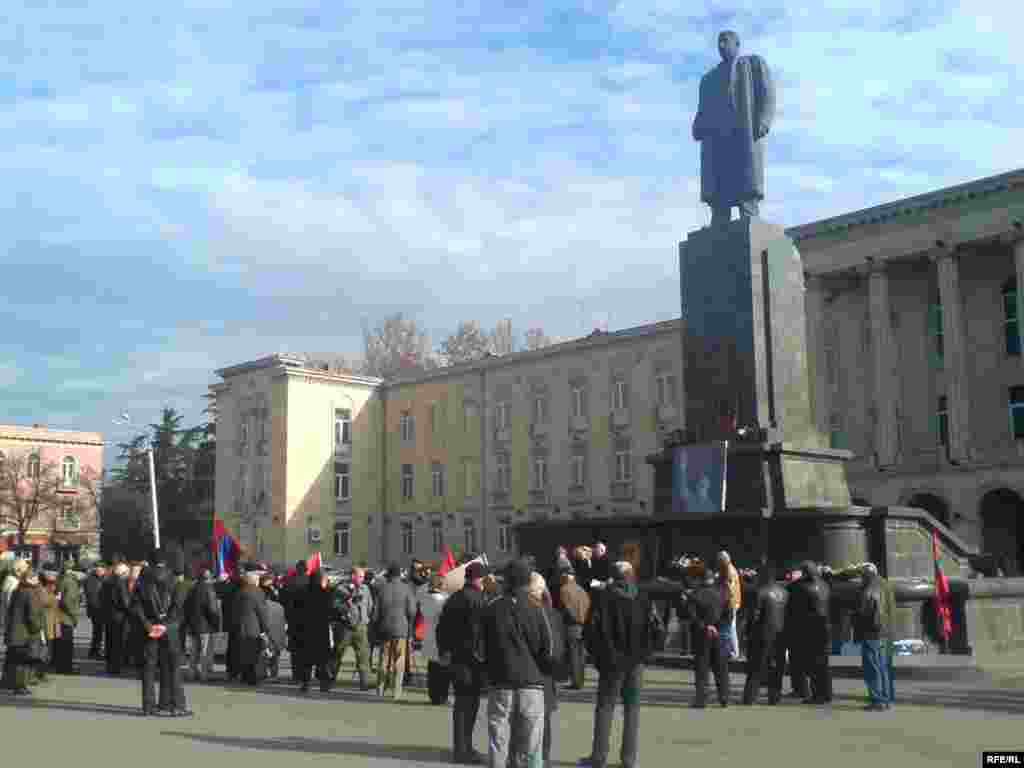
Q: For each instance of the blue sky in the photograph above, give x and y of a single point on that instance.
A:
(193, 184)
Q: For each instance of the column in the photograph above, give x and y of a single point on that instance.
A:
(1018, 263)
(883, 351)
(814, 306)
(955, 354)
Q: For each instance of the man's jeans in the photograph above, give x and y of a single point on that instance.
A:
(625, 684)
(526, 706)
(875, 671)
(201, 656)
(890, 672)
(728, 638)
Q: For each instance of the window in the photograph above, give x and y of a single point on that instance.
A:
(579, 471)
(619, 394)
(435, 424)
(504, 471)
(1011, 328)
(623, 466)
(68, 516)
(469, 476)
(407, 539)
(469, 530)
(69, 472)
(342, 427)
(836, 436)
(437, 479)
(407, 424)
(665, 389)
(501, 419)
(1017, 412)
(244, 431)
(540, 409)
(540, 473)
(942, 421)
(342, 482)
(33, 466)
(407, 476)
(935, 331)
(468, 414)
(436, 536)
(504, 536)
(342, 539)
(578, 402)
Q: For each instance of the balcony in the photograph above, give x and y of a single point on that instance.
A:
(503, 435)
(667, 414)
(539, 429)
(540, 496)
(622, 490)
(343, 449)
(620, 418)
(578, 424)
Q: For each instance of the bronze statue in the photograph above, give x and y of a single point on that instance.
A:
(735, 111)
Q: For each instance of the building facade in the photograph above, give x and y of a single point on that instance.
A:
(50, 483)
(913, 312)
(914, 339)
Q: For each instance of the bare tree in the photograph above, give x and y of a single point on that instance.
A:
(535, 338)
(467, 344)
(29, 491)
(396, 346)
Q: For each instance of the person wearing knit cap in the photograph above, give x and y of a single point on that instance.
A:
(26, 649)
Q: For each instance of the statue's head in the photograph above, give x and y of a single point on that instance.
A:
(728, 45)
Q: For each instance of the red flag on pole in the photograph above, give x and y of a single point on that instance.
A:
(448, 564)
(943, 597)
(313, 564)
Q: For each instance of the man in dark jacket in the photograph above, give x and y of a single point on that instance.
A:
(69, 607)
(618, 636)
(459, 635)
(250, 625)
(275, 625)
(157, 609)
(116, 601)
(764, 635)
(202, 619)
(517, 648)
(26, 621)
(812, 632)
(706, 610)
(870, 630)
(395, 608)
(292, 594)
(94, 608)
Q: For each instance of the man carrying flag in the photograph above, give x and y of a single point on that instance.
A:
(943, 597)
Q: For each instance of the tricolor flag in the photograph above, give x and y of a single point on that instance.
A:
(449, 562)
(943, 597)
(225, 549)
(314, 563)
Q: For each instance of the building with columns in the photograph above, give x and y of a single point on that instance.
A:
(914, 340)
(54, 476)
(913, 312)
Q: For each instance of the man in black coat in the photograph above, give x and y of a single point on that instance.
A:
(159, 612)
(764, 636)
(227, 589)
(94, 608)
(706, 610)
(811, 631)
(459, 636)
(250, 624)
(116, 601)
(202, 620)
(292, 593)
(618, 636)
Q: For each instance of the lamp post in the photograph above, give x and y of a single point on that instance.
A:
(125, 420)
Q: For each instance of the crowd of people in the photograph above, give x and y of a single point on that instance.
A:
(504, 636)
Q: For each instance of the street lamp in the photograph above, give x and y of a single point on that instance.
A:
(125, 420)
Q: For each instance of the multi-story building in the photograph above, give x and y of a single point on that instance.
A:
(914, 335)
(50, 481)
(453, 457)
(913, 313)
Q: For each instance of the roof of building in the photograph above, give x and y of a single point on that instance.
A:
(941, 198)
(38, 433)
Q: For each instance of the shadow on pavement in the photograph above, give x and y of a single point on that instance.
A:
(31, 702)
(322, 746)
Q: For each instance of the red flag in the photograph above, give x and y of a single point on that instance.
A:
(448, 564)
(943, 597)
(313, 564)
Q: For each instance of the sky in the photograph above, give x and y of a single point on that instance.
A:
(194, 184)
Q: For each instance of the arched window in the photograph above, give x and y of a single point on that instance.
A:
(33, 466)
(1011, 327)
(932, 504)
(69, 472)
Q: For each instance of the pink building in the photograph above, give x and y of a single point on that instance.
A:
(49, 492)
